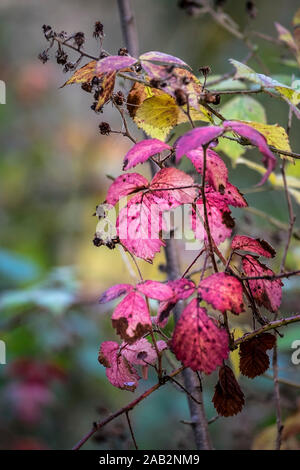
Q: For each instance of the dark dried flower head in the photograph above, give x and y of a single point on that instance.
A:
(138, 67)
(95, 81)
(180, 97)
(103, 54)
(123, 51)
(79, 39)
(205, 70)
(69, 66)
(97, 241)
(47, 30)
(119, 98)
(251, 9)
(104, 128)
(191, 7)
(61, 57)
(155, 82)
(98, 30)
(219, 3)
(87, 87)
(43, 57)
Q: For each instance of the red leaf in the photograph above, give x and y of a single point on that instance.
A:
(196, 138)
(197, 342)
(228, 399)
(114, 292)
(114, 63)
(265, 292)
(219, 218)
(131, 318)
(138, 227)
(255, 245)
(142, 151)
(254, 360)
(118, 370)
(182, 289)
(155, 290)
(223, 292)
(216, 172)
(124, 185)
(257, 139)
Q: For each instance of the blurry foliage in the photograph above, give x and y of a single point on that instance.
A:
(51, 169)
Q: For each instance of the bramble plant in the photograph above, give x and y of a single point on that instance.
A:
(233, 279)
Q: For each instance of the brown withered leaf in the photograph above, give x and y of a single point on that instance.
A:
(254, 360)
(228, 398)
(107, 85)
(83, 75)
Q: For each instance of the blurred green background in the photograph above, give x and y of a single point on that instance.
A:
(53, 169)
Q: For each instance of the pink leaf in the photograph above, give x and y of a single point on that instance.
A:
(265, 292)
(142, 352)
(223, 292)
(138, 227)
(196, 138)
(182, 289)
(257, 139)
(114, 63)
(156, 56)
(118, 370)
(168, 198)
(216, 171)
(219, 218)
(124, 185)
(114, 292)
(255, 245)
(131, 318)
(155, 290)
(197, 342)
(143, 150)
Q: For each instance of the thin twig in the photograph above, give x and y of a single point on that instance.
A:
(131, 430)
(277, 397)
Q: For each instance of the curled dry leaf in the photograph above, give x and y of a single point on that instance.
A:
(228, 398)
(223, 292)
(197, 341)
(254, 360)
(255, 245)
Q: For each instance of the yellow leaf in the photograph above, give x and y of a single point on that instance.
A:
(234, 355)
(159, 114)
(83, 75)
(275, 135)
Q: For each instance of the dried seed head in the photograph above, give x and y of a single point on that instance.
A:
(123, 51)
(98, 30)
(180, 97)
(103, 54)
(87, 87)
(61, 57)
(104, 128)
(79, 39)
(155, 82)
(119, 98)
(205, 70)
(251, 9)
(43, 57)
